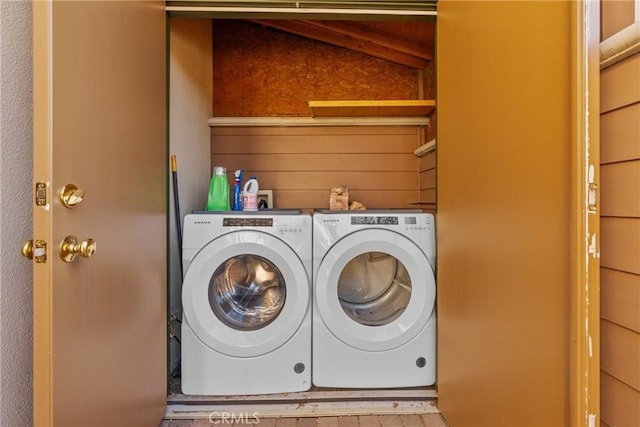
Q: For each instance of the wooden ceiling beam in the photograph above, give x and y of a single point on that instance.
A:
(335, 36)
(386, 39)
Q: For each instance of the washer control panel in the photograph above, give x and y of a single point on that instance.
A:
(247, 222)
(290, 227)
(288, 230)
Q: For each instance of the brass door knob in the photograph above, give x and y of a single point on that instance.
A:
(70, 247)
(27, 249)
(71, 196)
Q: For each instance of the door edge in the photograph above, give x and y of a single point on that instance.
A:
(42, 87)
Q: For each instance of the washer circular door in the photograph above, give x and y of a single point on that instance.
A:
(245, 293)
(375, 290)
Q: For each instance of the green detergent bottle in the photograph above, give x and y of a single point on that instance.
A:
(218, 190)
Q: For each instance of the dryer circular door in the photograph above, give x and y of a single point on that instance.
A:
(245, 293)
(375, 290)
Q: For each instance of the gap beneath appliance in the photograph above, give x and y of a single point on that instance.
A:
(414, 420)
(317, 402)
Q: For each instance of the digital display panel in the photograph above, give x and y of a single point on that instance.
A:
(247, 222)
(373, 220)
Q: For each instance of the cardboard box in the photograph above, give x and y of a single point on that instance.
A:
(339, 199)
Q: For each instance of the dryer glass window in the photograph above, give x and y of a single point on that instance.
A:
(374, 288)
(247, 292)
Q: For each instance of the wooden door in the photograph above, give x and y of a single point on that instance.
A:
(99, 123)
(516, 229)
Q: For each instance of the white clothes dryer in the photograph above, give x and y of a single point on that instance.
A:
(246, 325)
(374, 290)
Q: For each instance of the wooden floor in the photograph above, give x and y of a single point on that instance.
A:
(422, 420)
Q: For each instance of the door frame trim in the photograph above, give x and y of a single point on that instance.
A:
(585, 176)
(583, 366)
(585, 269)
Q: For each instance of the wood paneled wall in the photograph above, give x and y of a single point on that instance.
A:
(428, 163)
(302, 164)
(428, 182)
(620, 230)
(615, 16)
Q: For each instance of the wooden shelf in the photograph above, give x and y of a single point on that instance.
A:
(373, 108)
(420, 202)
(318, 121)
(425, 149)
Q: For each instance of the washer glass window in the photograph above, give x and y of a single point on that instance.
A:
(374, 288)
(247, 292)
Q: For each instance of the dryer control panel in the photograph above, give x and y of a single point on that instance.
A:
(370, 220)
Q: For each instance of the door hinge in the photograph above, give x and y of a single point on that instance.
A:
(41, 193)
(592, 191)
(593, 197)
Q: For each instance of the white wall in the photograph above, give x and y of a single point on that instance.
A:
(15, 213)
(190, 100)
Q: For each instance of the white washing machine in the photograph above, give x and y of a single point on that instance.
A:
(374, 290)
(246, 326)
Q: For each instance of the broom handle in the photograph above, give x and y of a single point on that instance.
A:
(176, 205)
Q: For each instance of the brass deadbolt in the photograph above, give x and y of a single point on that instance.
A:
(71, 196)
